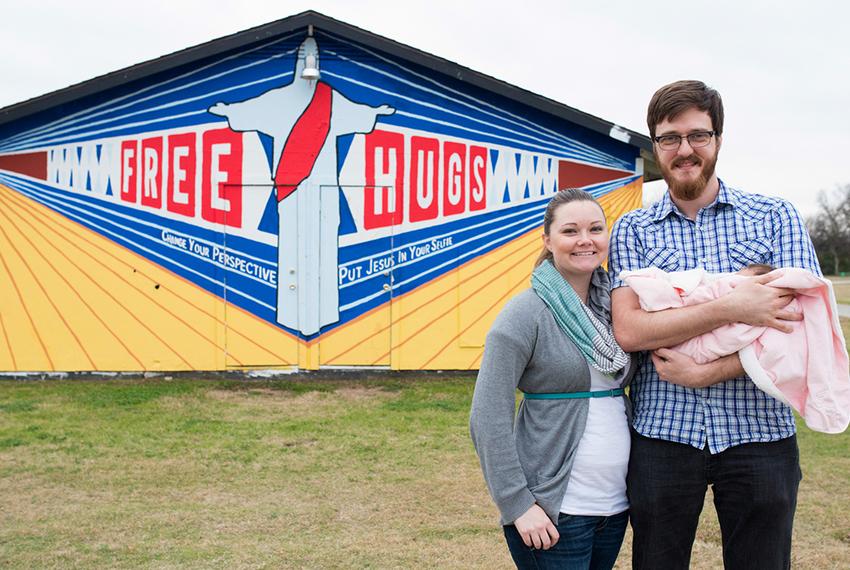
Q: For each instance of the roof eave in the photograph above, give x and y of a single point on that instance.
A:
(326, 23)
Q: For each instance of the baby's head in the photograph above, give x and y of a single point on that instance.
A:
(754, 269)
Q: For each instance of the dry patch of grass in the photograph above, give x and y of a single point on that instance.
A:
(285, 473)
(211, 475)
(841, 286)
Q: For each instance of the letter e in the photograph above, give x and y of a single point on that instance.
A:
(221, 188)
(181, 180)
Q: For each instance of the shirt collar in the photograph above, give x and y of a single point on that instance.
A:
(726, 195)
(665, 206)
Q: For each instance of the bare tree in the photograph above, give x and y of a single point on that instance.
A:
(830, 229)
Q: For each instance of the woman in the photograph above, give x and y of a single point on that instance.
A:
(557, 471)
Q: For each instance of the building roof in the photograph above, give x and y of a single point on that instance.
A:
(322, 22)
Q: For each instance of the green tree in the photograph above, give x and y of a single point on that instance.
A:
(830, 229)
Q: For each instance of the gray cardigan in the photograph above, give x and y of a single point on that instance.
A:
(528, 458)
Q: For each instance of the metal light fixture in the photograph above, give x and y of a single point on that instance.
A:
(311, 59)
(311, 68)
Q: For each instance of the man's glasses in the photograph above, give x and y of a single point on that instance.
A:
(673, 142)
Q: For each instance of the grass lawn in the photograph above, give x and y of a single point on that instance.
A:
(841, 285)
(350, 473)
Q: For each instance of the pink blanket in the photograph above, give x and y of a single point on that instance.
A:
(807, 368)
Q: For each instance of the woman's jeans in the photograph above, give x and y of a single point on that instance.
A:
(755, 493)
(586, 542)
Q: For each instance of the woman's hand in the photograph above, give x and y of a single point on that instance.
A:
(678, 368)
(536, 529)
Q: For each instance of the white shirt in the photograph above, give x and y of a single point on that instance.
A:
(597, 485)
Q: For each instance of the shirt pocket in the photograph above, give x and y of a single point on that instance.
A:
(750, 251)
(666, 258)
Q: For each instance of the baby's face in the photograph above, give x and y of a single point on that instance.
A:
(747, 271)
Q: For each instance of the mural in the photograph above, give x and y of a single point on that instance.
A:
(232, 214)
(304, 119)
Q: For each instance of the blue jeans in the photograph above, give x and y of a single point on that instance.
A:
(586, 542)
(755, 495)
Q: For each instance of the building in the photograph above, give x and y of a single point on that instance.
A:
(300, 194)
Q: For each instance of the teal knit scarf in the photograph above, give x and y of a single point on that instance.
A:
(593, 338)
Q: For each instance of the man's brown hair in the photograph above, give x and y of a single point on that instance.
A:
(674, 99)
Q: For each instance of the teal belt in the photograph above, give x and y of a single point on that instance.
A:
(575, 395)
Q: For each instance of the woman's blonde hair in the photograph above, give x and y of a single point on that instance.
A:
(565, 196)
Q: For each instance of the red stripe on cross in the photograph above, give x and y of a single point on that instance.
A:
(304, 143)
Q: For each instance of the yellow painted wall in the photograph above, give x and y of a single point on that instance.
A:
(72, 300)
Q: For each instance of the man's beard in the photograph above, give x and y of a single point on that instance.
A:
(687, 191)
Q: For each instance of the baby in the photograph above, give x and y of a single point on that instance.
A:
(754, 269)
(807, 368)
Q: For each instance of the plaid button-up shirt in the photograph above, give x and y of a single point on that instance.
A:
(734, 231)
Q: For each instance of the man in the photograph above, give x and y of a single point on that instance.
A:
(700, 425)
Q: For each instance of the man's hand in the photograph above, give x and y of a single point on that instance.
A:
(678, 368)
(536, 529)
(755, 303)
(752, 302)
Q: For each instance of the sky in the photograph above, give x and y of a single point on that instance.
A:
(782, 68)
